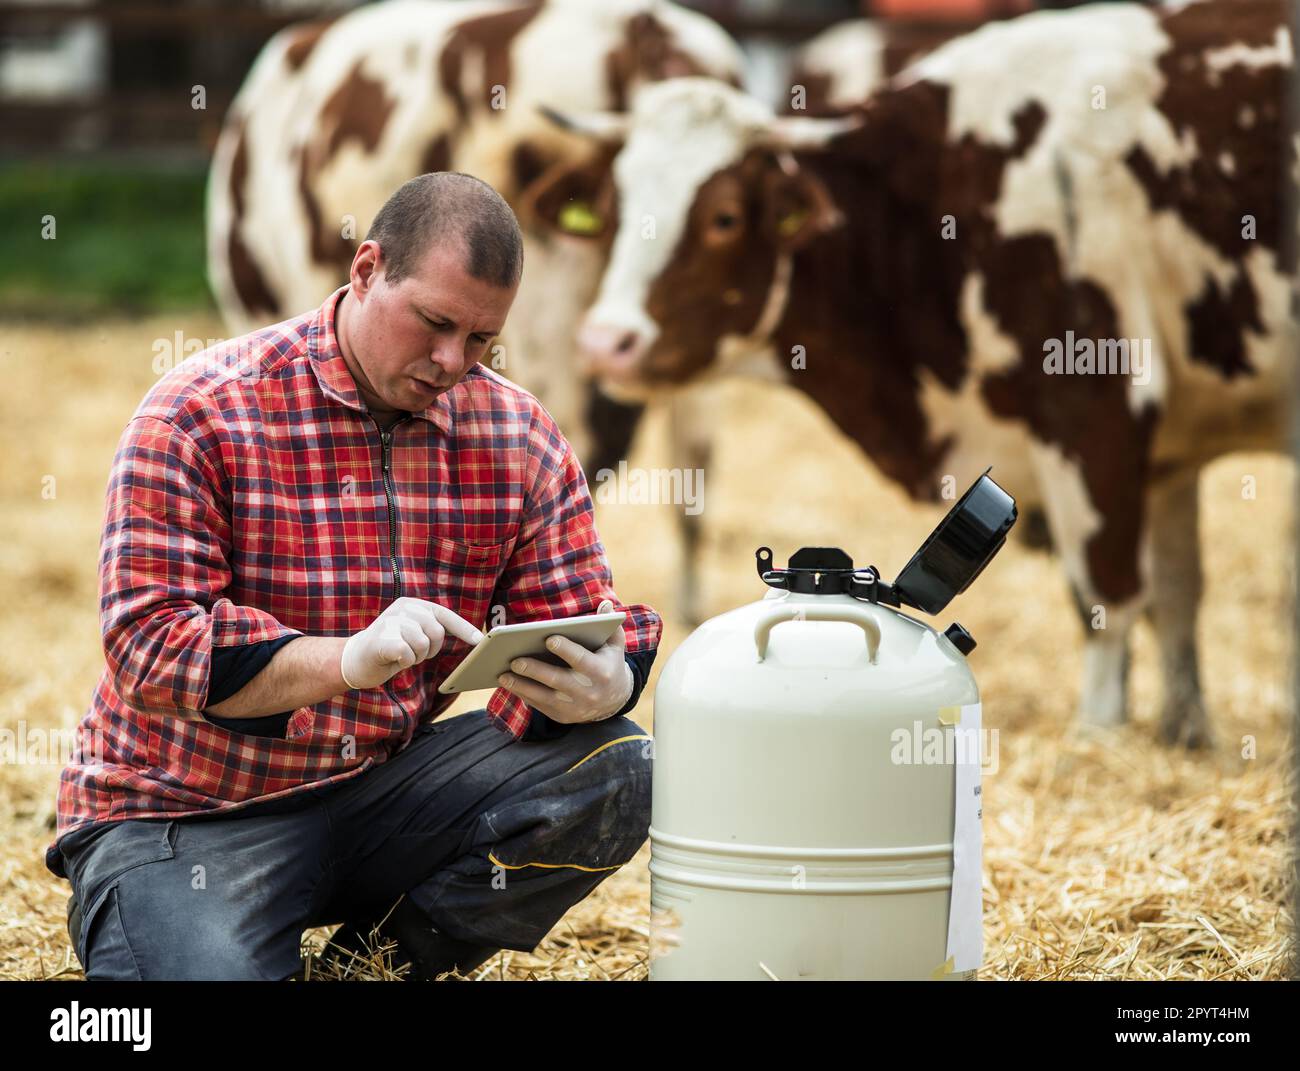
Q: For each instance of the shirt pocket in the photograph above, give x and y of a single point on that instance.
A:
(461, 577)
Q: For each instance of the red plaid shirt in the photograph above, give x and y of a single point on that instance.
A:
(247, 501)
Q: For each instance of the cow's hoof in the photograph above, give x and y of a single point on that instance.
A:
(689, 613)
(1032, 531)
(1104, 719)
(1190, 733)
(1094, 730)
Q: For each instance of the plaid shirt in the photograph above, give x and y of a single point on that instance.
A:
(253, 497)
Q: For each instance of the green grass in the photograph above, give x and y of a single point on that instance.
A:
(128, 240)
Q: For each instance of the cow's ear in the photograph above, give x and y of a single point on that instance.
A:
(571, 199)
(799, 208)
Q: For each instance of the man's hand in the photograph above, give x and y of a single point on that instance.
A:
(408, 631)
(596, 684)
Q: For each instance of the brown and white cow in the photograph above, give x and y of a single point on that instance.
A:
(834, 71)
(1029, 194)
(842, 66)
(336, 114)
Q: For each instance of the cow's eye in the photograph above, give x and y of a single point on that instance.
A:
(724, 226)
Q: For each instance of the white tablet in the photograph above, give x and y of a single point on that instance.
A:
(492, 655)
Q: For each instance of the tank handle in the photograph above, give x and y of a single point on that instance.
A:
(862, 615)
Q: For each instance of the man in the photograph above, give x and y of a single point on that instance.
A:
(303, 531)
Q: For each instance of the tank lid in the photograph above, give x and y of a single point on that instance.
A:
(952, 556)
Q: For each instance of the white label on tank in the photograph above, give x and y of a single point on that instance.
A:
(966, 908)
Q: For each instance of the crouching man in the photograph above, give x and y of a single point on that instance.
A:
(305, 528)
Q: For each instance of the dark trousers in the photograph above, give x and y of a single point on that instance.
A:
(492, 838)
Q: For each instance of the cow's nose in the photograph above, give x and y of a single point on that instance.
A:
(610, 349)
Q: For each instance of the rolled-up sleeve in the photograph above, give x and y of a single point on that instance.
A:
(559, 567)
(163, 568)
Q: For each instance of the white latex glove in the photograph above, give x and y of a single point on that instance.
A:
(408, 631)
(594, 686)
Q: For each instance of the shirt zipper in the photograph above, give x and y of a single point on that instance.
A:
(386, 466)
(386, 442)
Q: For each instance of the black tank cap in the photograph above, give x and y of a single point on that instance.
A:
(957, 635)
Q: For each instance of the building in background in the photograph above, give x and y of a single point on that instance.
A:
(120, 76)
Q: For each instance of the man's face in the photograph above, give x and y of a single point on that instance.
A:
(411, 341)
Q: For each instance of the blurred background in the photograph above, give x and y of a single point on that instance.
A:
(101, 124)
(1104, 857)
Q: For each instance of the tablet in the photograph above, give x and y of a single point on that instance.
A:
(492, 655)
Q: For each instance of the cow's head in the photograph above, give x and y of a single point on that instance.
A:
(702, 209)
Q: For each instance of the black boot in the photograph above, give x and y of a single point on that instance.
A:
(353, 944)
(429, 952)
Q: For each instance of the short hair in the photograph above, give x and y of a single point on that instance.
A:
(445, 206)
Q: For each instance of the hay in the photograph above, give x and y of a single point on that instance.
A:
(1105, 856)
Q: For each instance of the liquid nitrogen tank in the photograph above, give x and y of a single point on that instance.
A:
(816, 807)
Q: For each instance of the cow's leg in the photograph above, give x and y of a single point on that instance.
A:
(1103, 702)
(690, 417)
(1176, 593)
(610, 427)
(1079, 532)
